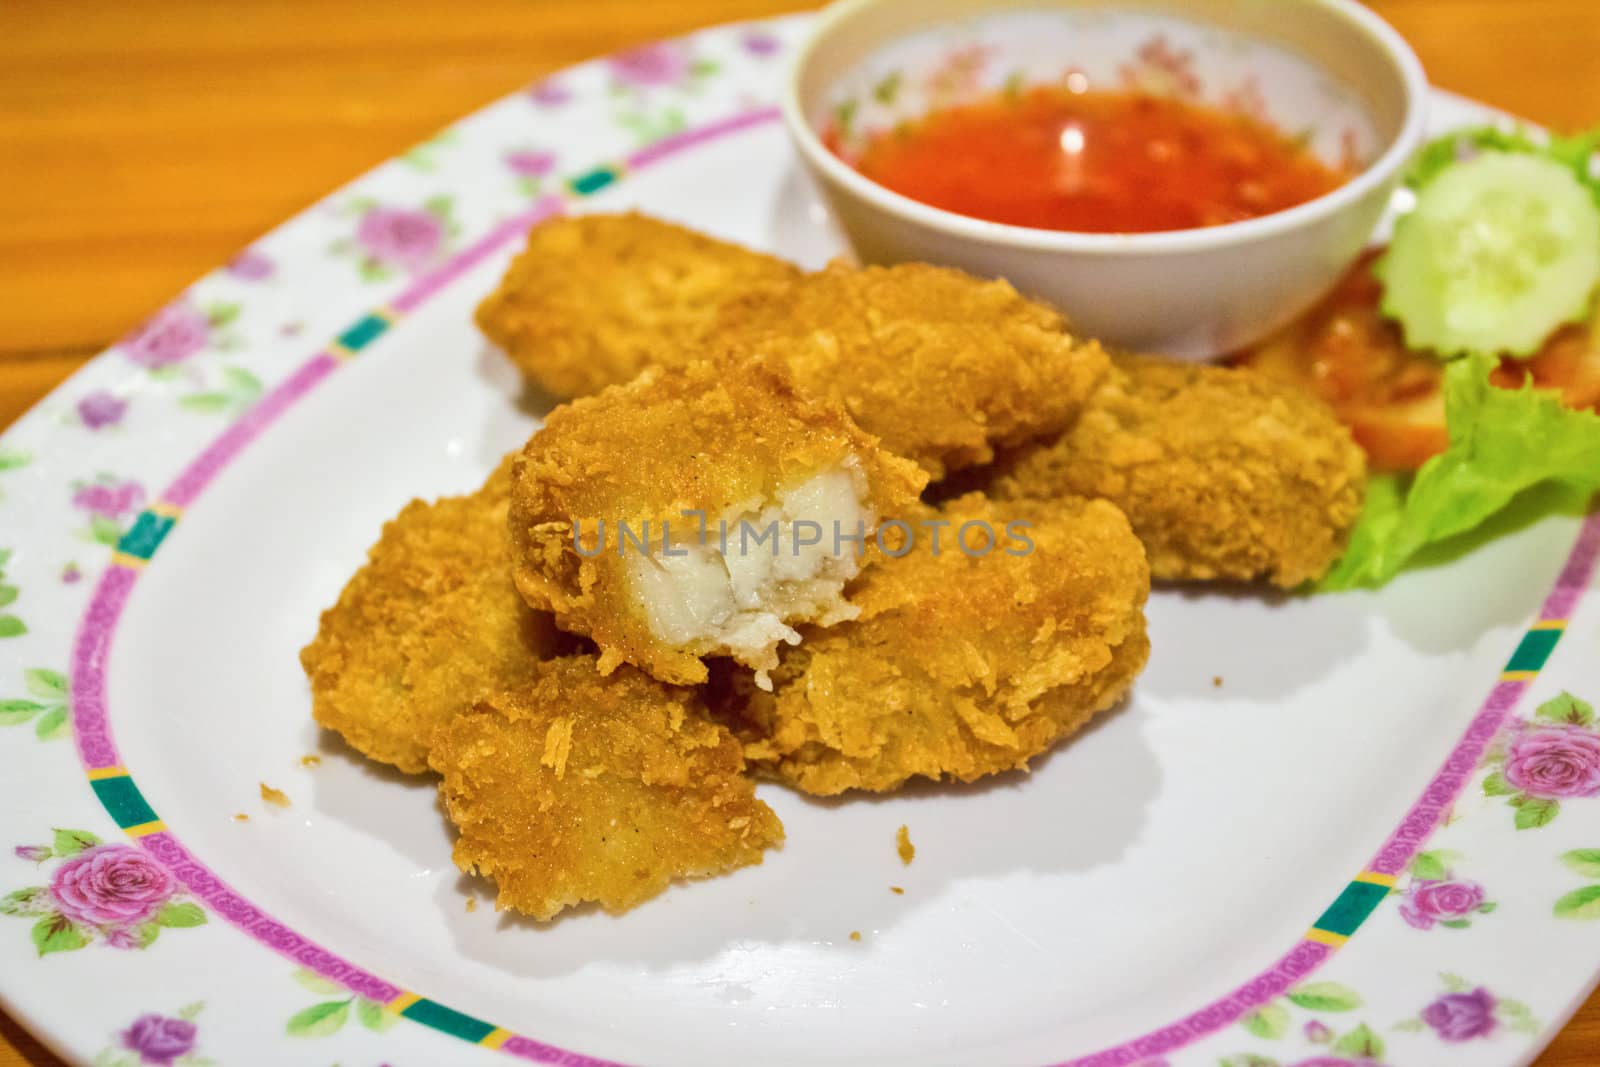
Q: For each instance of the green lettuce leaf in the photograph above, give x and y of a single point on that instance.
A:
(1502, 441)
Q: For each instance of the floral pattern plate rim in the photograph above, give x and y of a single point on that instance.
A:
(1456, 924)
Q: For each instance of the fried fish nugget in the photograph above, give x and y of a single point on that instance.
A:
(595, 299)
(942, 366)
(1224, 473)
(431, 622)
(734, 444)
(581, 787)
(958, 667)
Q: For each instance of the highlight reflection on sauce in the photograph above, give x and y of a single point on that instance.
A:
(1097, 162)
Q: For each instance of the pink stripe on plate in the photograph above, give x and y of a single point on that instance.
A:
(251, 425)
(689, 138)
(90, 723)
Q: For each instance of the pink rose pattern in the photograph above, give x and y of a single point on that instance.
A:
(550, 94)
(111, 886)
(1462, 1016)
(530, 164)
(959, 74)
(1554, 761)
(760, 43)
(651, 66)
(172, 335)
(1543, 761)
(400, 237)
(1161, 70)
(1450, 902)
(100, 409)
(159, 1040)
(108, 498)
(530, 167)
(117, 894)
(251, 266)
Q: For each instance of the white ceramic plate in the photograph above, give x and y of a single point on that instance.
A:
(1204, 876)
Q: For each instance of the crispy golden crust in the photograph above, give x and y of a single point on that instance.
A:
(581, 787)
(942, 366)
(595, 299)
(429, 624)
(958, 667)
(702, 437)
(1225, 474)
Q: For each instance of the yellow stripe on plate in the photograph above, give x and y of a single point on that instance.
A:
(402, 1002)
(145, 829)
(101, 773)
(1518, 676)
(1326, 937)
(495, 1038)
(1374, 878)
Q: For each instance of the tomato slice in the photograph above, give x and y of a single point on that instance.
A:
(1390, 396)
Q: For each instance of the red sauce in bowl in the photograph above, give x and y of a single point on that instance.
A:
(1097, 162)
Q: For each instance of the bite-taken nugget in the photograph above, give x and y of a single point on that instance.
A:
(580, 787)
(430, 623)
(595, 299)
(1225, 474)
(959, 666)
(698, 511)
(942, 366)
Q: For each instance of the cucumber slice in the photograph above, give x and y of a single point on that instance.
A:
(1500, 251)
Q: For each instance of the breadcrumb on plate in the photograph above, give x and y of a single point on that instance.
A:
(958, 667)
(903, 846)
(732, 485)
(429, 624)
(595, 299)
(1224, 473)
(276, 797)
(580, 787)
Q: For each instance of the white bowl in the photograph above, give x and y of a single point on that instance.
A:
(1328, 70)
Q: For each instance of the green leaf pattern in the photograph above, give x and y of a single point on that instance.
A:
(328, 1017)
(45, 707)
(10, 625)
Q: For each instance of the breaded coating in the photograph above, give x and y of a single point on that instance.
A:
(595, 299)
(942, 366)
(958, 667)
(1224, 473)
(580, 787)
(429, 624)
(735, 442)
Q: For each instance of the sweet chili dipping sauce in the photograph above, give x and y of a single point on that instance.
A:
(1097, 162)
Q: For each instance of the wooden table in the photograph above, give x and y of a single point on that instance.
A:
(141, 144)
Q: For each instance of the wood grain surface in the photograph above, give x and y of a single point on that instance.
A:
(141, 144)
